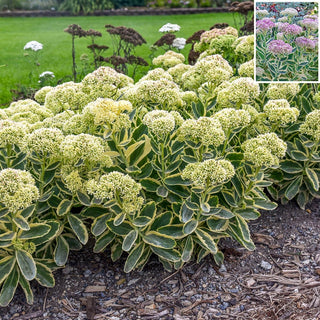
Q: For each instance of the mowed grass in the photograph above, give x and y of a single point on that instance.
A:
(56, 53)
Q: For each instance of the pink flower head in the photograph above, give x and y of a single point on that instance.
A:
(287, 28)
(279, 47)
(306, 43)
(265, 24)
(310, 23)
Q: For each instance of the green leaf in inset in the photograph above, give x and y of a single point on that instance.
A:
(129, 240)
(26, 264)
(79, 228)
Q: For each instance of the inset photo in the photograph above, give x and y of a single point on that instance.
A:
(287, 41)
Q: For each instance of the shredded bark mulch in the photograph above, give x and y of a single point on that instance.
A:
(279, 280)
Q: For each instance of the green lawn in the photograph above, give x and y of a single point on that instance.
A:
(56, 53)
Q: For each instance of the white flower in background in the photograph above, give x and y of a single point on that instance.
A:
(46, 74)
(33, 45)
(169, 27)
(179, 43)
(262, 13)
(290, 12)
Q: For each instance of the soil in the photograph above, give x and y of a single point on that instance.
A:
(279, 280)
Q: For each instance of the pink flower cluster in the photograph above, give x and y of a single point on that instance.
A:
(306, 43)
(279, 47)
(288, 28)
(310, 23)
(265, 24)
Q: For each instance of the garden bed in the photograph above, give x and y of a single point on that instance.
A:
(279, 280)
(118, 12)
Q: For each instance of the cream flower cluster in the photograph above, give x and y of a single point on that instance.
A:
(40, 95)
(12, 132)
(222, 43)
(43, 141)
(244, 46)
(17, 189)
(205, 130)
(238, 92)
(148, 93)
(66, 96)
(247, 69)
(57, 121)
(115, 185)
(157, 74)
(311, 126)
(104, 111)
(231, 119)
(72, 178)
(160, 122)
(104, 83)
(282, 90)
(213, 69)
(177, 71)
(209, 172)
(86, 147)
(27, 110)
(279, 111)
(168, 60)
(264, 150)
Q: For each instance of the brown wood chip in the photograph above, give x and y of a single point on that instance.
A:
(95, 289)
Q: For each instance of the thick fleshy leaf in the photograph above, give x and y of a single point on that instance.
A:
(190, 226)
(64, 207)
(159, 240)
(9, 288)
(7, 236)
(103, 241)
(167, 254)
(206, 240)
(187, 250)
(248, 213)
(25, 285)
(293, 188)
(44, 275)
(99, 225)
(121, 230)
(129, 240)
(6, 266)
(119, 219)
(134, 257)
(83, 198)
(36, 230)
(21, 222)
(54, 230)
(61, 251)
(185, 213)
(313, 177)
(26, 264)
(217, 224)
(291, 166)
(79, 228)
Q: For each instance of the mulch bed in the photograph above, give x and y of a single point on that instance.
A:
(279, 280)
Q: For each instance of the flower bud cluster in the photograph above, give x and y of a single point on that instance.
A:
(160, 123)
(244, 46)
(205, 130)
(168, 60)
(311, 126)
(117, 186)
(209, 172)
(231, 119)
(247, 69)
(12, 132)
(238, 92)
(17, 189)
(282, 90)
(279, 111)
(264, 150)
